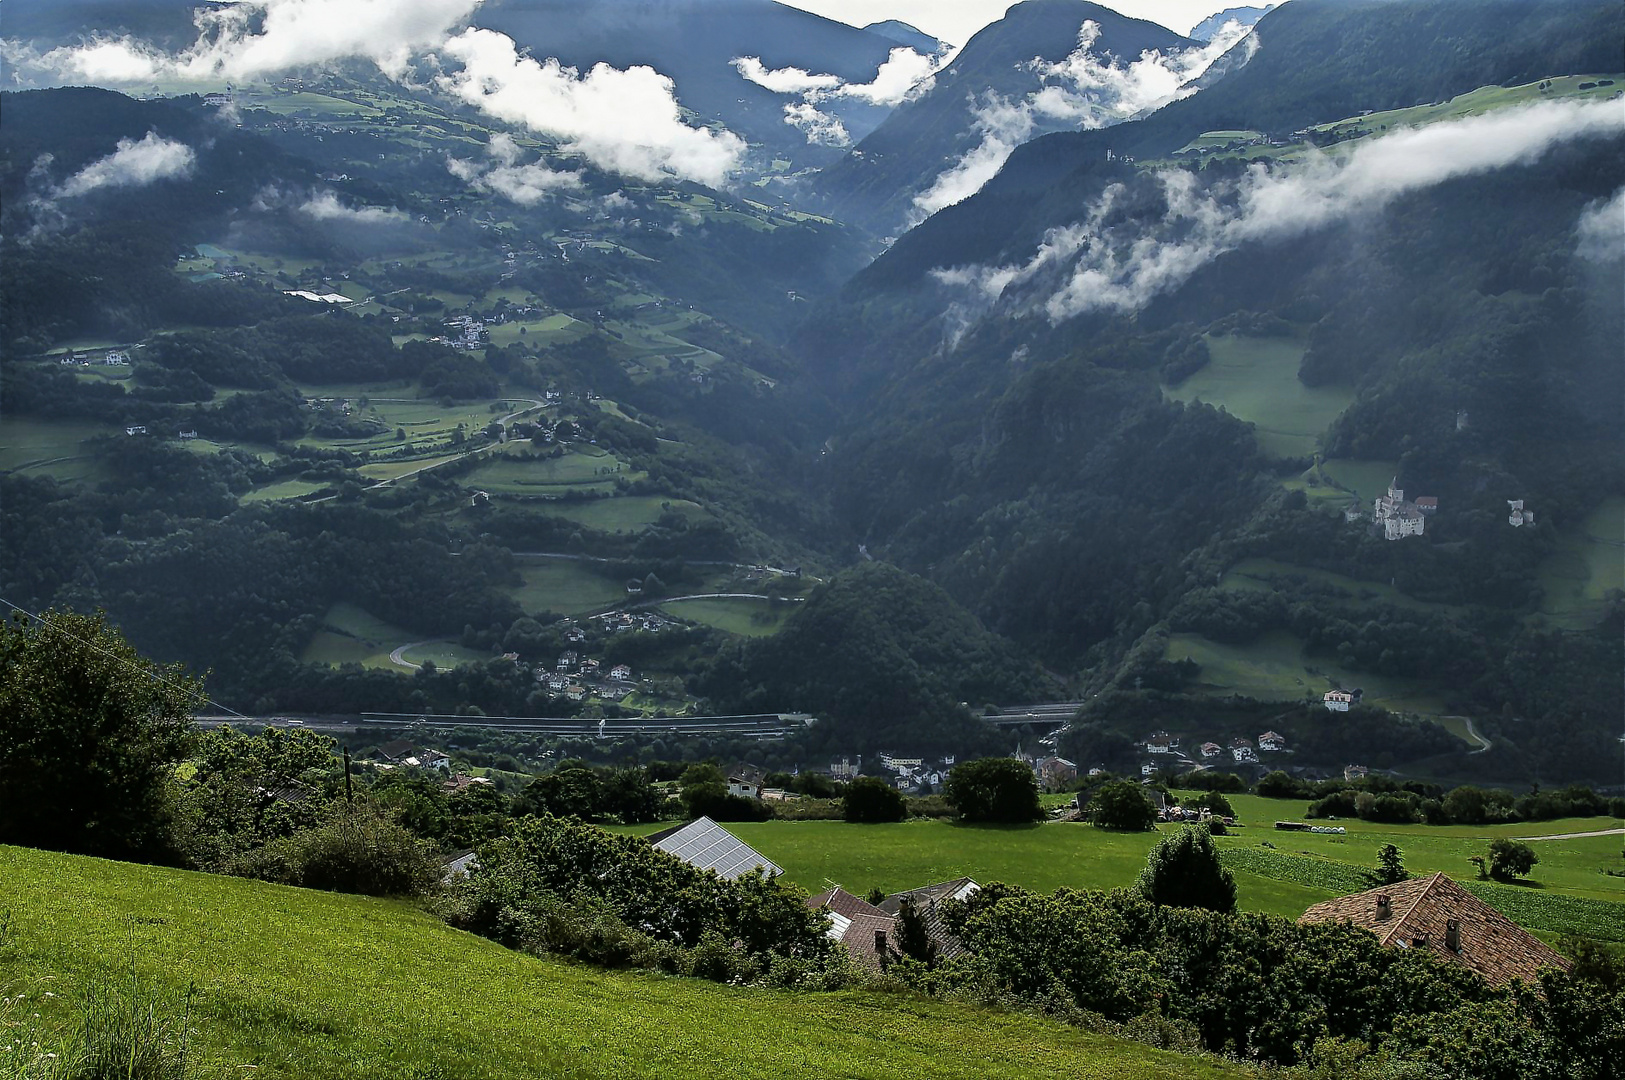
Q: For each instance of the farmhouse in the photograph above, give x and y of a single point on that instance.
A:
(1272, 742)
(1056, 772)
(1437, 914)
(621, 673)
(1161, 743)
(869, 934)
(1211, 750)
(1341, 700)
(1354, 772)
(745, 781)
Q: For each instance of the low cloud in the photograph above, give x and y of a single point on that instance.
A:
(325, 206)
(505, 176)
(1083, 91)
(1096, 265)
(132, 164)
(1602, 230)
(622, 121)
(903, 73)
(249, 38)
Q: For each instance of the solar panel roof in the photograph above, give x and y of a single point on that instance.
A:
(705, 844)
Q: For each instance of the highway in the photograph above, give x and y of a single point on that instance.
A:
(759, 726)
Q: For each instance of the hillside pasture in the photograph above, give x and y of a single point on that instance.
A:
(580, 469)
(564, 587)
(1256, 380)
(1258, 573)
(294, 983)
(351, 635)
(734, 615)
(1588, 564)
(625, 513)
(60, 449)
(550, 330)
(1274, 668)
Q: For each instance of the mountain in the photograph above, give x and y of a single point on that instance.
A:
(695, 43)
(980, 107)
(1141, 465)
(1246, 16)
(904, 34)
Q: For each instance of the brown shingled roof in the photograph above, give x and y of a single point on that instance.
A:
(1420, 913)
(842, 902)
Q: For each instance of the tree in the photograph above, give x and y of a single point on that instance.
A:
(90, 733)
(1213, 802)
(871, 800)
(1279, 785)
(1390, 870)
(994, 789)
(1183, 870)
(1511, 859)
(1122, 805)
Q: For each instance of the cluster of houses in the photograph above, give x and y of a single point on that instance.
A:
(1397, 516)
(620, 622)
(576, 677)
(1432, 913)
(111, 358)
(910, 775)
(465, 332)
(1240, 750)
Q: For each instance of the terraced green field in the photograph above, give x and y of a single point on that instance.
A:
(54, 448)
(1256, 380)
(583, 468)
(294, 983)
(550, 330)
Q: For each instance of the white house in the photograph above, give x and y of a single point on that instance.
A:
(1398, 517)
(1272, 742)
(1341, 700)
(621, 673)
(1518, 516)
(1211, 750)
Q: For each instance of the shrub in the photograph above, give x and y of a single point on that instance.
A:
(1122, 805)
(994, 790)
(360, 850)
(1213, 802)
(1183, 870)
(711, 799)
(1278, 785)
(869, 799)
(1511, 859)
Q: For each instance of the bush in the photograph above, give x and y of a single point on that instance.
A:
(994, 790)
(1278, 785)
(869, 800)
(1213, 802)
(1511, 859)
(1183, 870)
(711, 799)
(361, 850)
(1122, 805)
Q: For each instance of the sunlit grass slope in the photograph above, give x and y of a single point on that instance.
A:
(314, 985)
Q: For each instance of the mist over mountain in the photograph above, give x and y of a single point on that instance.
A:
(475, 330)
(1208, 28)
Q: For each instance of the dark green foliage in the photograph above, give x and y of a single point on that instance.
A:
(869, 799)
(907, 654)
(1121, 804)
(1510, 859)
(1390, 868)
(1183, 870)
(1279, 785)
(356, 849)
(247, 790)
(1212, 801)
(714, 801)
(994, 790)
(1213, 780)
(547, 866)
(90, 733)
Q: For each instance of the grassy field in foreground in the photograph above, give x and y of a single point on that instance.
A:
(295, 983)
(1256, 380)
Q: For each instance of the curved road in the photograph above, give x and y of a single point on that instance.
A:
(395, 656)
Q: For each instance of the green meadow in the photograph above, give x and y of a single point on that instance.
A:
(292, 983)
(1256, 380)
(735, 615)
(582, 468)
(1278, 873)
(56, 448)
(1274, 668)
(625, 513)
(349, 635)
(1588, 564)
(565, 587)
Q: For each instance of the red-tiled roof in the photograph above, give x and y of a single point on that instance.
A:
(1420, 913)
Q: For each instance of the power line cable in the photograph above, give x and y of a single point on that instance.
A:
(116, 657)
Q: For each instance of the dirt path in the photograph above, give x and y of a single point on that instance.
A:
(396, 657)
(1473, 733)
(1576, 835)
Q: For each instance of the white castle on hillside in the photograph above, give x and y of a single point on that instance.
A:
(1399, 518)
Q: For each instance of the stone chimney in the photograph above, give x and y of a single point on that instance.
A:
(1385, 906)
(1452, 935)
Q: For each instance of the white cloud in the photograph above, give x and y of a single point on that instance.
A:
(622, 121)
(1602, 229)
(523, 184)
(1121, 268)
(253, 37)
(1082, 91)
(787, 80)
(132, 164)
(325, 206)
(902, 73)
(819, 127)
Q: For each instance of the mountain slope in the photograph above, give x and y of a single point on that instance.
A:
(878, 181)
(297, 983)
